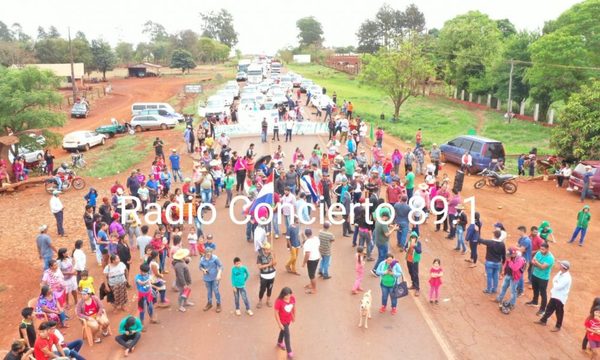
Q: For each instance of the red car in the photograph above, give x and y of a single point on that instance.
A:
(576, 179)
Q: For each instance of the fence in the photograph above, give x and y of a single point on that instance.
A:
(521, 110)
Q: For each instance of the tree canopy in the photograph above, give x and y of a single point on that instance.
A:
(400, 74)
(26, 96)
(578, 132)
(104, 57)
(310, 32)
(219, 26)
(182, 59)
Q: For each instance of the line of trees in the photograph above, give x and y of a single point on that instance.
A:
(212, 45)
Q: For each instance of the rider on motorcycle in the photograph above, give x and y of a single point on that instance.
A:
(61, 174)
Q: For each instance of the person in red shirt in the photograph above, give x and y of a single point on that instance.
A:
(117, 185)
(536, 242)
(285, 314)
(393, 192)
(42, 350)
(592, 328)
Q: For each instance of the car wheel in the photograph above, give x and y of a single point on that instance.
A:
(163, 126)
(138, 128)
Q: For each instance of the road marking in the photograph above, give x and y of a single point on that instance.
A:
(441, 339)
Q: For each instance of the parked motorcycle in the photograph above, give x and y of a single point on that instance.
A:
(71, 180)
(493, 179)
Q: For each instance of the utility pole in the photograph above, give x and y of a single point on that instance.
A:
(512, 65)
(73, 82)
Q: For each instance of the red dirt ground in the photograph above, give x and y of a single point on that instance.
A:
(467, 320)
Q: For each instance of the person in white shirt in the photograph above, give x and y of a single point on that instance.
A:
(224, 140)
(466, 161)
(289, 126)
(311, 259)
(79, 259)
(561, 285)
(260, 236)
(143, 241)
(56, 207)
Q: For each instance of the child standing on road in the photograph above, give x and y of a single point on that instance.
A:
(360, 269)
(192, 243)
(592, 326)
(285, 314)
(239, 276)
(435, 281)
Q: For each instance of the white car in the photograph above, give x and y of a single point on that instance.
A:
(287, 85)
(234, 89)
(226, 95)
(247, 103)
(28, 153)
(83, 140)
(263, 87)
(321, 101)
(150, 122)
(215, 106)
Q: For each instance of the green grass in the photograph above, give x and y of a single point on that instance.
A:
(116, 156)
(439, 118)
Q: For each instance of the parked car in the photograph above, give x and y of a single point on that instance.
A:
(137, 108)
(82, 140)
(233, 88)
(226, 95)
(150, 122)
(114, 128)
(482, 150)
(241, 76)
(80, 110)
(215, 106)
(30, 152)
(321, 101)
(164, 113)
(304, 85)
(297, 80)
(576, 179)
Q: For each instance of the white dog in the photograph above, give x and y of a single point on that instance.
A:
(365, 309)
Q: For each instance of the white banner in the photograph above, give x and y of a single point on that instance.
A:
(253, 128)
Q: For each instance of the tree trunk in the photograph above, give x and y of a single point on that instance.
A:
(103, 74)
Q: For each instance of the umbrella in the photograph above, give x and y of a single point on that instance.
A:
(263, 159)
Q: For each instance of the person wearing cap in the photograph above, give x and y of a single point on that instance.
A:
(211, 267)
(90, 310)
(583, 220)
(57, 209)
(413, 257)
(311, 259)
(542, 264)
(561, 286)
(46, 249)
(175, 161)
(183, 280)
(587, 180)
(266, 263)
(513, 269)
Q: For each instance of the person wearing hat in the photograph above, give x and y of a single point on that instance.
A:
(513, 269)
(45, 248)
(460, 222)
(91, 310)
(413, 257)
(183, 280)
(56, 207)
(211, 267)
(561, 286)
(266, 263)
(587, 179)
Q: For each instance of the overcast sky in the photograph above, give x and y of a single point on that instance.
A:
(264, 26)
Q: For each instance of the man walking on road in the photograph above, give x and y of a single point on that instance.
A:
(561, 285)
(289, 126)
(311, 259)
(56, 207)
(264, 126)
(44, 245)
(402, 210)
(325, 240)
(212, 268)
(175, 165)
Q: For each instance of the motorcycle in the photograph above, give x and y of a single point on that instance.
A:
(77, 160)
(493, 179)
(70, 180)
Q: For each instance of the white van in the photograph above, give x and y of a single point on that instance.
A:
(137, 108)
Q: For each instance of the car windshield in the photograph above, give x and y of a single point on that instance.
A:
(215, 103)
(79, 107)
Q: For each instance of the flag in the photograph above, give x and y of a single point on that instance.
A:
(371, 133)
(264, 197)
(312, 187)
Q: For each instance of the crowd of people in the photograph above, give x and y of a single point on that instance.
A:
(411, 182)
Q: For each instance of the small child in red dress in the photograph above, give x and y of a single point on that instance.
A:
(435, 281)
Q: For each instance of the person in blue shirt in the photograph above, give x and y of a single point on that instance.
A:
(153, 187)
(175, 166)
(521, 165)
(524, 243)
(91, 198)
(211, 267)
(586, 183)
